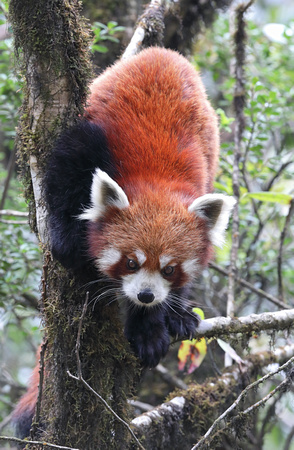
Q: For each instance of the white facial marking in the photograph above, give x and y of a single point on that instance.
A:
(108, 258)
(190, 267)
(208, 207)
(217, 234)
(141, 257)
(137, 282)
(105, 192)
(164, 260)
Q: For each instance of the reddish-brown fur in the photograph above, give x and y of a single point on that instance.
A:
(175, 232)
(157, 119)
(163, 135)
(27, 404)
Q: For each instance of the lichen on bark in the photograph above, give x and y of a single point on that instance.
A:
(52, 46)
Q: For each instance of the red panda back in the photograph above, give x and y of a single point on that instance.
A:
(157, 120)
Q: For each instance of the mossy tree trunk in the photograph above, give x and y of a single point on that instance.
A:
(52, 42)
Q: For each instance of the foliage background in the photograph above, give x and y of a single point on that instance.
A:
(266, 166)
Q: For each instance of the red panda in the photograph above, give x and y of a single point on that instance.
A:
(129, 188)
(24, 412)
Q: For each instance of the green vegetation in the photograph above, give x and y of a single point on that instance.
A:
(266, 253)
(266, 168)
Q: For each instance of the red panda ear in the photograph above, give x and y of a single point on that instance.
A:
(105, 192)
(216, 210)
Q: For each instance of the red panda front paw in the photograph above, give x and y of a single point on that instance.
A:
(182, 323)
(148, 336)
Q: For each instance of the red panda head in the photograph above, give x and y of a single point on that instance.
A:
(156, 243)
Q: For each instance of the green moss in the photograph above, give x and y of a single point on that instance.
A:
(52, 43)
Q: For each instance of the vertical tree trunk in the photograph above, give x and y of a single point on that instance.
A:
(52, 42)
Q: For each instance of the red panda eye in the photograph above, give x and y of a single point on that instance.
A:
(168, 271)
(132, 265)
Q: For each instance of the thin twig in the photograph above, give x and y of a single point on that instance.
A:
(140, 405)
(239, 102)
(11, 212)
(238, 400)
(7, 419)
(261, 402)
(170, 379)
(250, 286)
(84, 382)
(8, 178)
(43, 444)
(277, 174)
(289, 439)
(14, 222)
(40, 390)
(81, 379)
(147, 24)
(280, 256)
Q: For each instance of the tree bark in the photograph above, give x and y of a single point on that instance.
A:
(52, 41)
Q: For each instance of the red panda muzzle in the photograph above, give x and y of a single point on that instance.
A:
(146, 296)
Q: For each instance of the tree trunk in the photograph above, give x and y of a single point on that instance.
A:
(52, 41)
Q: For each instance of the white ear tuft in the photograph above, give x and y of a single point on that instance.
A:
(216, 209)
(105, 192)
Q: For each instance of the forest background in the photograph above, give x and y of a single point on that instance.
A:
(265, 256)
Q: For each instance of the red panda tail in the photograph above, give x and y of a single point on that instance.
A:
(24, 412)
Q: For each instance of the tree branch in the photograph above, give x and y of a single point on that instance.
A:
(241, 397)
(155, 425)
(220, 326)
(170, 379)
(283, 235)
(149, 30)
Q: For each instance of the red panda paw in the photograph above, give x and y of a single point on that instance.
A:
(148, 335)
(182, 324)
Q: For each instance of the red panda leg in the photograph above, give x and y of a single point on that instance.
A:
(180, 319)
(147, 333)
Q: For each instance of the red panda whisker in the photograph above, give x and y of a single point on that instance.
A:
(101, 280)
(103, 296)
(170, 307)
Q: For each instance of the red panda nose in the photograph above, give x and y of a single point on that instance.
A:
(146, 296)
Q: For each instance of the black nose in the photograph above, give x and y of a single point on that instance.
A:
(146, 296)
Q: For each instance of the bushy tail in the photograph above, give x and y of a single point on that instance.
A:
(24, 412)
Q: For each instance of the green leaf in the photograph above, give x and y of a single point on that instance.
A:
(221, 187)
(99, 48)
(200, 313)
(273, 197)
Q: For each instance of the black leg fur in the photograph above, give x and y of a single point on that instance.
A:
(180, 320)
(147, 333)
(78, 152)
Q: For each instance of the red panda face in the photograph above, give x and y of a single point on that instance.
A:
(153, 245)
(142, 281)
